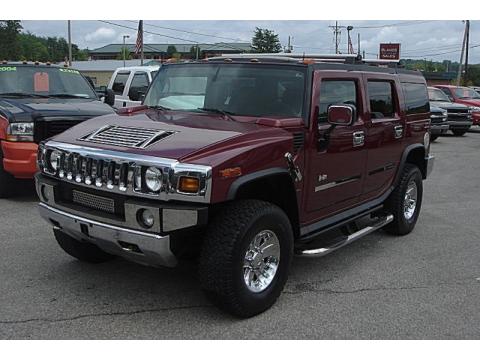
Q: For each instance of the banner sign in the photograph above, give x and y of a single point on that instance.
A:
(390, 51)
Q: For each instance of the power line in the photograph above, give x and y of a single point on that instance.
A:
(403, 23)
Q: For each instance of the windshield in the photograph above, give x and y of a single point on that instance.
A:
(235, 89)
(437, 95)
(43, 81)
(466, 93)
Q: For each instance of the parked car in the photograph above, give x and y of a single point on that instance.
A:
(438, 122)
(130, 84)
(466, 96)
(285, 154)
(36, 102)
(459, 117)
(476, 88)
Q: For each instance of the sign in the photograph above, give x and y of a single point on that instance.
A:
(390, 51)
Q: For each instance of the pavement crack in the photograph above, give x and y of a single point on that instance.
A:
(112, 313)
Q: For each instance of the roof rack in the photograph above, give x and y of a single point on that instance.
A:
(312, 58)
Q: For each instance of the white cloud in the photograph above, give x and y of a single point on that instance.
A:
(101, 34)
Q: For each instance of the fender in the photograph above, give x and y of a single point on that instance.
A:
(403, 160)
(238, 183)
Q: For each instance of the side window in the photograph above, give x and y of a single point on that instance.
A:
(140, 80)
(120, 82)
(416, 98)
(381, 97)
(336, 92)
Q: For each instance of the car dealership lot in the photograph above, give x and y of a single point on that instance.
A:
(423, 285)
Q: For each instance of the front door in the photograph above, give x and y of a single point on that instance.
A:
(338, 157)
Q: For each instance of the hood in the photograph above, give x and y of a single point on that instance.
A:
(448, 105)
(470, 102)
(30, 109)
(436, 109)
(193, 135)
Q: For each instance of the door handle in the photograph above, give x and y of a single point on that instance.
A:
(358, 138)
(398, 131)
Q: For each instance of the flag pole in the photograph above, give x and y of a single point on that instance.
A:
(141, 53)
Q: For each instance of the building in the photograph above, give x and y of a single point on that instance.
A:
(439, 78)
(159, 51)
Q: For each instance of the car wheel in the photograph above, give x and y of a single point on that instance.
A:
(433, 137)
(246, 256)
(459, 132)
(405, 201)
(81, 250)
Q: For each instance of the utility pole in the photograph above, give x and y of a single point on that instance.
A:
(459, 75)
(358, 43)
(289, 45)
(336, 32)
(69, 42)
(141, 50)
(197, 52)
(465, 78)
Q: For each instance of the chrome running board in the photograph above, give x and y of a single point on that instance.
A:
(348, 239)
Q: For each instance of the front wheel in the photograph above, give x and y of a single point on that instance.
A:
(459, 132)
(405, 201)
(433, 137)
(246, 256)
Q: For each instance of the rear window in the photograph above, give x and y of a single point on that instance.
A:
(416, 98)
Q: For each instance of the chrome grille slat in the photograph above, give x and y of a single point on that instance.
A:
(126, 136)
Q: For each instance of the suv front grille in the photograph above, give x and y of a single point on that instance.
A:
(126, 136)
(48, 127)
(93, 201)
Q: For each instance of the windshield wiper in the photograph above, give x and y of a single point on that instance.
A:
(159, 107)
(225, 113)
(23, 94)
(70, 96)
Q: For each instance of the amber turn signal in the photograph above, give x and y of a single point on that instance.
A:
(188, 184)
(231, 172)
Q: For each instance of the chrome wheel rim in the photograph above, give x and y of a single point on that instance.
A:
(261, 261)
(410, 201)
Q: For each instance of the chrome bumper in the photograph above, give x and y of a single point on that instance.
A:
(134, 245)
(430, 159)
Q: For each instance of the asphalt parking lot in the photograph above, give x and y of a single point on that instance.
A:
(425, 285)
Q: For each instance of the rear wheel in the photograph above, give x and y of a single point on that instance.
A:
(246, 256)
(457, 132)
(433, 137)
(405, 201)
(81, 250)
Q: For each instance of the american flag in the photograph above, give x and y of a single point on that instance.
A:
(139, 44)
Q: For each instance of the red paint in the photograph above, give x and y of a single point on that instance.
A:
(20, 158)
(468, 102)
(131, 110)
(3, 128)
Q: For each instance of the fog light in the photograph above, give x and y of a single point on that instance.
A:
(146, 218)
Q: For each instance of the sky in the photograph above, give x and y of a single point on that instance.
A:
(422, 39)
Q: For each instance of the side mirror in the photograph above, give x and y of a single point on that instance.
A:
(342, 115)
(109, 97)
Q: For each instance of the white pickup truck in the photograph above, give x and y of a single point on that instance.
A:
(130, 83)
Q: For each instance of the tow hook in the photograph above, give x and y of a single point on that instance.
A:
(292, 168)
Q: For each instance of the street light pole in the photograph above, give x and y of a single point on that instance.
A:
(69, 43)
(123, 49)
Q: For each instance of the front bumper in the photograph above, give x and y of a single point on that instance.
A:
(137, 246)
(476, 118)
(437, 129)
(459, 124)
(20, 158)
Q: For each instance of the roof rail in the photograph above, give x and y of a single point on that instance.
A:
(347, 58)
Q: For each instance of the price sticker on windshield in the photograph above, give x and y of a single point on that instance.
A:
(69, 71)
(8, 68)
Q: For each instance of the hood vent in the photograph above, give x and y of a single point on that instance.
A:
(126, 136)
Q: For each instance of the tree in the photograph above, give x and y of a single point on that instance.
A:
(193, 52)
(124, 54)
(9, 45)
(171, 49)
(265, 41)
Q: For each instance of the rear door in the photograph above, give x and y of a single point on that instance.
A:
(385, 132)
(337, 165)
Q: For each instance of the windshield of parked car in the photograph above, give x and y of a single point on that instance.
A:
(42, 81)
(466, 93)
(234, 89)
(437, 95)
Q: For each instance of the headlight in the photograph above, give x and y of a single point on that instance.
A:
(20, 131)
(474, 108)
(53, 159)
(444, 112)
(153, 179)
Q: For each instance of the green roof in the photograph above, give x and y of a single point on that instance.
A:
(181, 48)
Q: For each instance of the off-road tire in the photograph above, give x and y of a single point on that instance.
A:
(222, 256)
(433, 137)
(459, 132)
(81, 250)
(7, 182)
(395, 203)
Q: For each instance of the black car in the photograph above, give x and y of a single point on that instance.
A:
(438, 122)
(38, 101)
(459, 117)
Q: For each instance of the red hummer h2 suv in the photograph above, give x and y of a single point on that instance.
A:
(243, 161)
